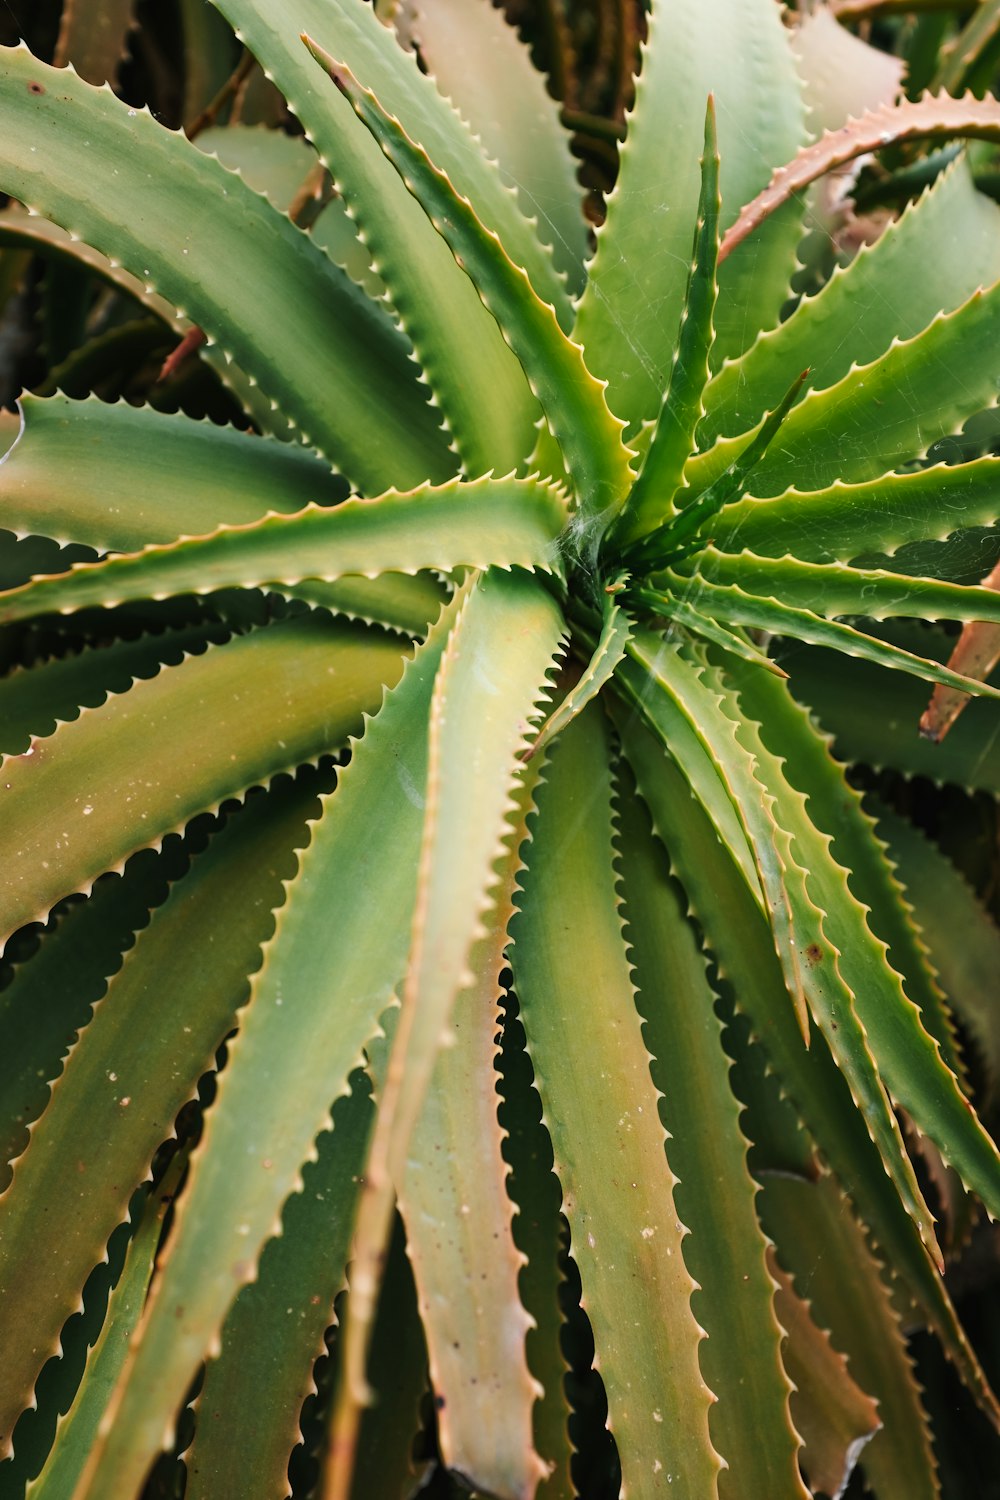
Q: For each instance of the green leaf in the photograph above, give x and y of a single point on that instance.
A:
(637, 684)
(601, 1108)
(457, 1211)
(743, 948)
(750, 1426)
(250, 1404)
(273, 163)
(682, 612)
(118, 778)
(844, 521)
(943, 905)
(18, 227)
(599, 671)
(833, 589)
(808, 930)
(134, 1066)
(589, 437)
(290, 1061)
(731, 603)
(903, 1044)
(928, 261)
(508, 522)
(975, 44)
(680, 533)
(510, 622)
(71, 474)
(819, 1240)
(835, 808)
(631, 310)
(650, 502)
(480, 64)
(281, 167)
(34, 700)
(397, 601)
(883, 414)
(50, 998)
(63, 155)
(77, 1430)
(481, 389)
(873, 714)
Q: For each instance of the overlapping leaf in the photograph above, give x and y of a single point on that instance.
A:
(505, 522)
(60, 133)
(601, 1110)
(589, 436)
(117, 779)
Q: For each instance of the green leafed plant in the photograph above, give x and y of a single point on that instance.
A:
(416, 829)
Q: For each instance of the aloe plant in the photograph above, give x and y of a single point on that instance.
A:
(431, 812)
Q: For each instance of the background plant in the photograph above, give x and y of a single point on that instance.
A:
(507, 605)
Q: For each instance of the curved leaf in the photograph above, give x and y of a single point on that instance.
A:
(71, 474)
(288, 1064)
(479, 385)
(928, 261)
(751, 1427)
(133, 1067)
(589, 436)
(599, 671)
(480, 64)
(650, 502)
(845, 521)
(881, 415)
(943, 905)
(600, 1106)
(282, 167)
(820, 969)
(50, 998)
(834, 1415)
(743, 948)
(733, 604)
(455, 1204)
(818, 1238)
(903, 1042)
(539, 1235)
(934, 117)
(512, 522)
(119, 777)
(33, 701)
(630, 312)
(19, 227)
(493, 676)
(251, 1401)
(75, 1432)
(832, 589)
(63, 155)
(842, 75)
